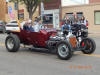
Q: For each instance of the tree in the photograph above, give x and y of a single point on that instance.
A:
(31, 5)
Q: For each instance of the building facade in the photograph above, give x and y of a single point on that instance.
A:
(91, 12)
(52, 13)
(19, 12)
(9, 11)
(2, 10)
(94, 1)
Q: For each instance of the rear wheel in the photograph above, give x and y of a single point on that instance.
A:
(12, 43)
(88, 46)
(64, 50)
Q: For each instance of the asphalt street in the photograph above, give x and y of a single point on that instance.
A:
(32, 62)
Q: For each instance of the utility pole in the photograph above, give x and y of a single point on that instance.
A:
(42, 10)
(18, 9)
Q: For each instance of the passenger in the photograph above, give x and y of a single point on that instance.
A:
(37, 26)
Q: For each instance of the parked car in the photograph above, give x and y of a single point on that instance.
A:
(2, 26)
(13, 25)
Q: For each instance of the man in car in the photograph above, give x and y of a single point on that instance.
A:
(28, 26)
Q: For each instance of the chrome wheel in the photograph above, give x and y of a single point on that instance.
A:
(10, 43)
(63, 50)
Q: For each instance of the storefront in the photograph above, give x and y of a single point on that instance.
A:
(51, 18)
(52, 13)
(3, 8)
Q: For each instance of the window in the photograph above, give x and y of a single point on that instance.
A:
(97, 17)
(48, 19)
(70, 15)
(79, 14)
(16, 6)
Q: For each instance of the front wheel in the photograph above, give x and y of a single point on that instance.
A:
(88, 46)
(12, 43)
(64, 50)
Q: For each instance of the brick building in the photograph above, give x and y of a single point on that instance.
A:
(94, 1)
(91, 12)
(2, 10)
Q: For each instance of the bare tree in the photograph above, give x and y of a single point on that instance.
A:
(31, 5)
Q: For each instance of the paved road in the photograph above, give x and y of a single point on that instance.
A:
(27, 62)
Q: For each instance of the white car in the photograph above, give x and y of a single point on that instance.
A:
(12, 26)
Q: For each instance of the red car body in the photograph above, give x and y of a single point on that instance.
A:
(35, 38)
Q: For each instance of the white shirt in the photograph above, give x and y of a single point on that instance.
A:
(84, 22)
(22, 24)
(36, 28)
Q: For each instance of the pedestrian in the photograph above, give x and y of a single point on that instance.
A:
(83, 21)
(66, 28)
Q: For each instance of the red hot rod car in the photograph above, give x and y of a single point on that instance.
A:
(49, 39)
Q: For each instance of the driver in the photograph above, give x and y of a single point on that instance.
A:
(28, 26)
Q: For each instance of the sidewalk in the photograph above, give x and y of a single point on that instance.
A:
(94, 34)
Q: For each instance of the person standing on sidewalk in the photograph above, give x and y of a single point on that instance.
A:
(83, 20)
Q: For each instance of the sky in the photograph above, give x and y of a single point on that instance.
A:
(74, 2)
